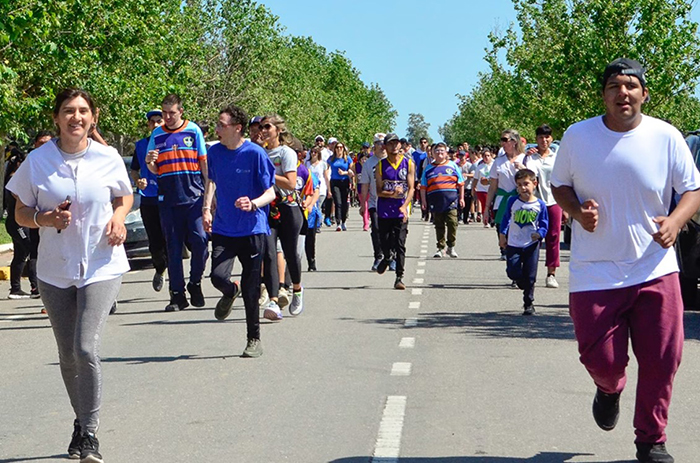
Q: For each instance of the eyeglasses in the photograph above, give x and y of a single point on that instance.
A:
(266, 126)
(221, 125)
(504, 139)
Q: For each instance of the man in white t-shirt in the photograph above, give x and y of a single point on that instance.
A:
(368, 195)
(614, 175)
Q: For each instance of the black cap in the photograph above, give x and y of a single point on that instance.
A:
(390, 137)
(627, 67)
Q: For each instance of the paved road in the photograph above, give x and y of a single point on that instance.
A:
(447, 371)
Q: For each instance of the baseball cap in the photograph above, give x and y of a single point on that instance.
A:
(332, 140)
(319, 137)
(627, 67)
(154, 112)
(379, 137)
(255, 120)
(441, 143)
(365, 144)
(390, 137)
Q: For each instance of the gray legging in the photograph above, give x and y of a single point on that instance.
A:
(78, 317)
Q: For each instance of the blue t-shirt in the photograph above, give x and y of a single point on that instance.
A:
(336, 163)
(180, 150)
(246, 171)
(418, 158)
(441, 183)
(138, 163)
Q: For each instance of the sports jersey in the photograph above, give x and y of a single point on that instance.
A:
(441, 182)
(393, 176)
(179, 153)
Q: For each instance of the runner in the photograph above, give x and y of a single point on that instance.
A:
(614, 175)
(419, 156)
(482, 182)
(341, 173)
(443, 192)
(394, 177)
(368, 195)
(147, 187)
(82, 258)
(177, 154)
(357, 172)
(242, 178)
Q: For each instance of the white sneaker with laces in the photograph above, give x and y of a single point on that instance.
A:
(551, 282)
(297, 305)
(452, 253)
(272, 311)
(438, 254)
(264, 298)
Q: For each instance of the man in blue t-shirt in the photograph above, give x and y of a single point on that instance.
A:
(177, 154)
(242, 177)
(419, 157)
(147, 185)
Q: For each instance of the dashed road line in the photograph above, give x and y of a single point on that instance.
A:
(421, 263)
(420, 271)
(418, 281)
(414, 305)
(401, 369)
(417, 291)
(410, 322)
(388, 445)
(407, 343)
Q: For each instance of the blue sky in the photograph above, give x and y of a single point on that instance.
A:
(420, 53)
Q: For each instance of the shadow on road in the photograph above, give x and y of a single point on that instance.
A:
(493, 324)
(543, 457)
(691, 320)
(166, 359)
(50, 457)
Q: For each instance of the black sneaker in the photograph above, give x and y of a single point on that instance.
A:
(19, 294)
(178, 301)
(653, 453)
(606, 410)
(383, 265)
(529, 310)
(158, 280)
(89, 449)
(34, 293)
(196, 296)
(74, 446)
(312, 265)
(225, 304)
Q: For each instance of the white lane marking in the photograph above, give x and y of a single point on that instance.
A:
(407, 343)
(401, 369)
(414, 305)
(10, 318)
(421, 263)
(410, 322)
(423, 246)
(418, 281)
(420, 271)
(388, 445)
(424, 242)
(417, 291)
(135, 272)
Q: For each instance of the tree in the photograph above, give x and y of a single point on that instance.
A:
(417, 129)
(555, 56)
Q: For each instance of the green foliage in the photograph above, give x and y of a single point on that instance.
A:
(553, 65)
(417, 128)
(130, 53)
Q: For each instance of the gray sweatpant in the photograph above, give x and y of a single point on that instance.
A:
(78, 317)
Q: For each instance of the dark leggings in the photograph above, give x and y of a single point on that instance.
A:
(310, 244)
(340, 189)
(224, 250)
(287, 230)
(22, 246)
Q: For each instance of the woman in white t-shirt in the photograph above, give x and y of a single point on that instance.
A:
(77, 193)
(481, 180)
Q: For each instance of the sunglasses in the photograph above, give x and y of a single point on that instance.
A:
(266, 126)
(504, 139)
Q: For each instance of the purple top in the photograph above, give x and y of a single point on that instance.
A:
(393, 177)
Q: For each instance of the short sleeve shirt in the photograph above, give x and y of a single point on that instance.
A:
(285, 160)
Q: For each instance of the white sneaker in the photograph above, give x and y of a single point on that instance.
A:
(452, 253)
(297, 305)
(272, 311)
(438, 254)
(551, 282)
(264, 297)
(283, 298)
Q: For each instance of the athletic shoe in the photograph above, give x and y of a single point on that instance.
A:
(74, 446)
(113, 310)
(551, 282)
(398, 284)
(383, 265)
(529, 310)
(503, 257)
(196, 296)
(19, 294)
(297, 305)
(89, 449)
(34, 293)
(253, 349)
(225, 304)
(343, 227)
(375, 265)
(438, 254)
(452, 253)
(264, 297)
(272, 311)
(606, 411)
(338, 228)
(653, 453)
(327, 222)
(392, 265)
(513, 284)
(282, 298)
(312, 265)
(158, 280)
(318, 230)
(178, 301)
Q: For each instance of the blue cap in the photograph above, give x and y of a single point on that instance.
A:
(255, 120)
(154, 112)
(365, 144)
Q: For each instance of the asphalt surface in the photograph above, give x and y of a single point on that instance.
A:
(452, 375)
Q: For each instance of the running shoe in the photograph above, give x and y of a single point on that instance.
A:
(343, 227)
(398, 284)
(272, 311)
(338, 228)
(196, 296)
(253, 348)
(503, 257)
(178, 301)
(34, 293)
(529, 310)
(283, 298)
(157, 282)
(19, 294)
(89, 449)
(438, 254)
(383, 265)
(551, 282)
(297, 305)
(312, 265)
(225, 304)
(264, 297)
(327, 222)
(452, 253)
(606, 410)
(653, 453)
(74, 446)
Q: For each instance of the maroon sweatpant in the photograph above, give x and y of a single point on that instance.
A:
(651, 315)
